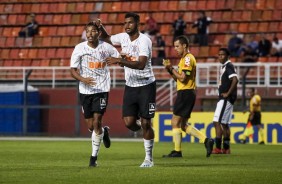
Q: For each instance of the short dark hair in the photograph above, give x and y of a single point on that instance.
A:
(92, 24)
(135, 16)
(182, 39)
(227, 52)
(252, 90)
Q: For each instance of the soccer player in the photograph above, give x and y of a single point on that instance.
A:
(254, 116)
(140, 89)
(185, 78)
(227, 90)
(88, 66)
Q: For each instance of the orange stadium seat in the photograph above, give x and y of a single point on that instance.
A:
(10, 42)
(26, 8)
(84, 19)
(256, 15)
(66, 19)
(204, 51)
(107, 7)
(260, 4)
(44, 7)
(182, 5)
(267, 15)
(55, 41)
(51, 53)
(65, 41)
(35, 8)
(61, 30)
(3, 41)
(26, 62)
(12, 19)
(79, 7)
(173, 5)
(62, 7)
(116, 7)
(18, 63)
(253, 27)
(75, 19)
(57, 19)
(70, 7)
(163, 5)
(211, 5)
(263, 27)
(89, 7)
(14, 54)
(53, 7)
(45, 62)
(41, 53)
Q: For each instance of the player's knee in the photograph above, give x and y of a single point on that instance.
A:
(132, 127)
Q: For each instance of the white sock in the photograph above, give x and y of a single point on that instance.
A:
(96, 142)
(148, 145)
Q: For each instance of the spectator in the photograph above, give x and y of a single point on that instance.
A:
(234, 45)
(151, 26)
(264, 46)
(202, 25)
(160, 47)
(249, 55)
(276, 47)
(31, 28)
(178, 27)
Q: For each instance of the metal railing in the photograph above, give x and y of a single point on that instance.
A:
(260, 75)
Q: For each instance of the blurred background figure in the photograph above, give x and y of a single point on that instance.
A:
(202, 24)
(276, 47)
(151, 26)
(264, 46)
(31, 28)
(178, 27)
(160, 47)
(254, 117)
(234, 44)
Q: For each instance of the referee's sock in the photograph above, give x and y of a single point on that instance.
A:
(191, 130)
(218, 142)
(177, 138)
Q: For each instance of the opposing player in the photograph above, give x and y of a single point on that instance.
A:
(185, 78)
(88, 66)
(227, 90)
(140, 88)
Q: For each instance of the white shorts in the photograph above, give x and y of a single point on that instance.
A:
(223, 112)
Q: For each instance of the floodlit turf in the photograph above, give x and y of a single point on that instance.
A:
(67, 162)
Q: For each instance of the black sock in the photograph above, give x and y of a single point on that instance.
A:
(226, 143)
(218, 142)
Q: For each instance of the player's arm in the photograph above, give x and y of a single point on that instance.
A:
(232, 87)
(138, 65)
(88, 81)
(104, 34)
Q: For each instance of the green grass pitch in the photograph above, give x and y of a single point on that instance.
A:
(67, 162)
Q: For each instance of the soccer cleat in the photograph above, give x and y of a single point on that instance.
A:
(261, 143)
(209, 146)
(173, 154)
(106, 137)
(216, 151)
(242, 141)
(147, 163)
(93, 162)
(226, 151)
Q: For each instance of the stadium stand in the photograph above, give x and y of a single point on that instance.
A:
(62, 22)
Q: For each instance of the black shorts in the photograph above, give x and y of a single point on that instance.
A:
(256, 119)
(184, 103)
(93, 103)
(139, 101)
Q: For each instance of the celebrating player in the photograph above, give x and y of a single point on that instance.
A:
(88, 66)
(140, 88)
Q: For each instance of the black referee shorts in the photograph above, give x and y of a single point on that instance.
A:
(184, 103)
(256, 119)
(140, 101)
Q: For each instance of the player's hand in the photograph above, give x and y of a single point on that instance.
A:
(98, 22)
(224, 95)
(167, 64)
(112, 60)
(89, 81)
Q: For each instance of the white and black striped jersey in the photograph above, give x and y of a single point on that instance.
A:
(91, 63)
(142, 46)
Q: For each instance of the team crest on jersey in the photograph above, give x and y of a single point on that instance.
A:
(103, 103)
(152, 108)
(187, 61)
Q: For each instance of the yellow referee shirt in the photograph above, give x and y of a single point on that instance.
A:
(188, 66)
(255, 104)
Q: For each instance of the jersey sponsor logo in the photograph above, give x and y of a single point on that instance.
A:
(152, 108)
(187, 61)
(103, 103)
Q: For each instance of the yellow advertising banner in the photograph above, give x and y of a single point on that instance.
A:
(272, 124)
